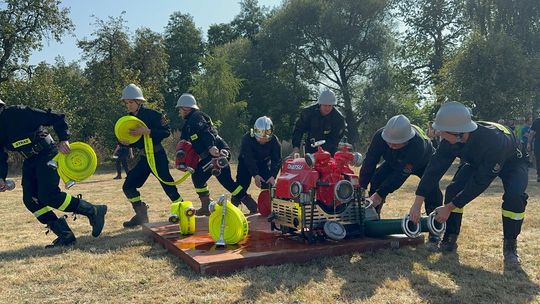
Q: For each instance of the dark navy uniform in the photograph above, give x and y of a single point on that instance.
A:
(490, 151)
(22, 130)
(258, 159)
(159, 130)
(397, 166)
(199, 130)
(330, 128)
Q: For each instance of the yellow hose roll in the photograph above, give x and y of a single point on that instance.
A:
(79, 164)
(187, 218)
(122, 127)
(121, 130)
(236, 224)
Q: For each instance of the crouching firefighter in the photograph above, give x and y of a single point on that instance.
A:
(260, 156)
(22, 130)
(213, 150)
(157, 128)
(487, 150)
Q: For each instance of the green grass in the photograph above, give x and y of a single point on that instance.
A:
(123, 266)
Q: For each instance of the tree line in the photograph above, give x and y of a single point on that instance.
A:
(380, 57)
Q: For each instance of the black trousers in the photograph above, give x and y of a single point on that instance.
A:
(41, 191)
(121, 162)
(537, 156)
(139, 174)
(432, 200)
(200, 177)
(514, 176)
(243, 177)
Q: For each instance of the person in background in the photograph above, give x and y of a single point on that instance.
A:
(321, 121)
(22, 130)
(120, 155)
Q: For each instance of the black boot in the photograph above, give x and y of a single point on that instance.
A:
(250, 203)
(205, 202)
(511, 257)
(140, 217)
(95, 214)
(432, 244)
(449, 243)
(61, 229)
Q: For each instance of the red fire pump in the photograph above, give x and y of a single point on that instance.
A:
(319, 195)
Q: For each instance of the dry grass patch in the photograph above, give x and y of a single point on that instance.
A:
(122, 266)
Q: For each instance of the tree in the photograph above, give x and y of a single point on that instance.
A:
(249, 21)
(434, 29)
(150, 59)
(220, 34)
(23, 25)
(108, 71)
(184, 44)
(216, 89)
(492, 76)
(340, 40)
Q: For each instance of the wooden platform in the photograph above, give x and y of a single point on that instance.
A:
(261, 247)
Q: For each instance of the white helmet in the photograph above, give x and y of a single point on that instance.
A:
(398, 130)
(454, 117)
(132, 92)
(2, 103)
(187, 100)
(263, 127)
(327, 97)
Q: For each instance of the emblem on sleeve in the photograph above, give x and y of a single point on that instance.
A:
(496, 169)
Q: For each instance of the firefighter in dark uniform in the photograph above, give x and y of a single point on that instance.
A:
(406, 150)
(487, 150)
(158, 128)
(321, 121)
(22, 130)
(260, 156)
(200, 131)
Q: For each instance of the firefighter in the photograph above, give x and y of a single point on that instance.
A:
(488, 150)
(158, 128)
(321, 121)
(260, 156)
(406, 150)
(23, 131)
(200, 131)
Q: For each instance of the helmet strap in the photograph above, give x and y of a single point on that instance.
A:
(459, 138)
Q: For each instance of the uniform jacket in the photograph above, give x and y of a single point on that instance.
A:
(331, 128)
(158, 125)
(22, 130)
(489, 148)
(199, 130)
(252, 153)
(411, 159)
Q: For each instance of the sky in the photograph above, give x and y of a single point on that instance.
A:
(139, 13)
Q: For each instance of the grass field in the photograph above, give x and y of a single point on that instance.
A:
(122, 266)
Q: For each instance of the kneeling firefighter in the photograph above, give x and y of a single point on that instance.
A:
(200, 131)
(22, 130)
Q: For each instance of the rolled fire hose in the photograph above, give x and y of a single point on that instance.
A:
(384, 227)
(183, 213)
(236, 224)
(79, 164)
(121, 130)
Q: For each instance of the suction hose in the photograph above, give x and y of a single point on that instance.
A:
(384, 227)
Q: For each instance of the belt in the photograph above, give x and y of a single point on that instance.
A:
(43, 144)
